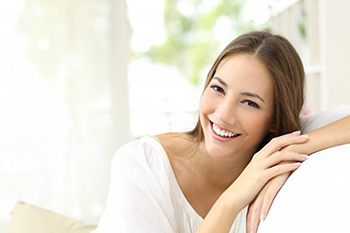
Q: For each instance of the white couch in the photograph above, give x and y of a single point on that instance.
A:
(316, 197)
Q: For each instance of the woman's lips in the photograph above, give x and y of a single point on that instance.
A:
(222, 134)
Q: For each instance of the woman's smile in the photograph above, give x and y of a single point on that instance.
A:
(236, 107)
(222, 134)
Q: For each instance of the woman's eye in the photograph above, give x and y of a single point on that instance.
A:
(251, 104)
(217, 89)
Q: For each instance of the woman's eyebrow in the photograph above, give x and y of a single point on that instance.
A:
(220, 81)
(252, 95)
(242, 93)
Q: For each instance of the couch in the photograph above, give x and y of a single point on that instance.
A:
(27, 218)
(315, 197)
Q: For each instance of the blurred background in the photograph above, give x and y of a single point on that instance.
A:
(78, 78)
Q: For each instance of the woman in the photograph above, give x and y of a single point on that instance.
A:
(203, 180)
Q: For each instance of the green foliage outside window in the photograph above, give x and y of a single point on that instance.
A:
(191, 42)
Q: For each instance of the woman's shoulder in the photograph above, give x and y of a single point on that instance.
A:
(152, 153)
(137, 151)
(176, 145)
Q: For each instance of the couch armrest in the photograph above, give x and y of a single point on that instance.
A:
(28, 218)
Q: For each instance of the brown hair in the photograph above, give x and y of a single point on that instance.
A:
(287, 72)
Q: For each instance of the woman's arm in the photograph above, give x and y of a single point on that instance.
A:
(266, 164)
(333, 134)
(221, 216)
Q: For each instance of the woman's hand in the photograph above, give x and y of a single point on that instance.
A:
(260, 206)
(268, 163)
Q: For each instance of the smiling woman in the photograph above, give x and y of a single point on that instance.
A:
(238, 101)
(203, 180)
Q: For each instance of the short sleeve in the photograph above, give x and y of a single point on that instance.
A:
(136, 201)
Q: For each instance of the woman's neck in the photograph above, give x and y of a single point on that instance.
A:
(218, 172)
(187, 154)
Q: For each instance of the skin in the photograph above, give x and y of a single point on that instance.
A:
(219, 177)
(240, 100)
(337, 133)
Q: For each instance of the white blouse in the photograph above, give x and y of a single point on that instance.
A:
(144, 195)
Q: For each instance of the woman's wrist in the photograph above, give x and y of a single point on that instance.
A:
(231, 200)
(221, 216)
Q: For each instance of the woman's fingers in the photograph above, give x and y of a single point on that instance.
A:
(281, 169)
(278, 143)
(267, 164)
(254, 212)
(274, 187)
(285, 156)
(260, 207)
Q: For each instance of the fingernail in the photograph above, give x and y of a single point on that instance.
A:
(304, 136)
(305, 156)
(262, 218)
(296, 132)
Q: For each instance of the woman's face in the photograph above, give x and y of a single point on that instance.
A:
(236, 109)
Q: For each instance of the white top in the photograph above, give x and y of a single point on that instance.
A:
(144, 195)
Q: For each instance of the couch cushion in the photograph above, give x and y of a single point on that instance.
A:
(27, 218)
(323, 118)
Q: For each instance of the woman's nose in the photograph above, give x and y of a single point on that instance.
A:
(227, 112)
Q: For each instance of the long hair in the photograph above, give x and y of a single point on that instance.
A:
(287, 73)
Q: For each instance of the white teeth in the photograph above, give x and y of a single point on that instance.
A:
(223, 133)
